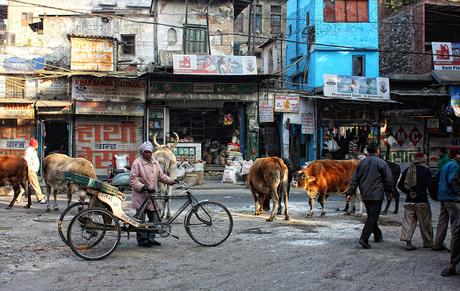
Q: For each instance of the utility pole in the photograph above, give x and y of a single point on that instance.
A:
(184, 31)
(251, 9)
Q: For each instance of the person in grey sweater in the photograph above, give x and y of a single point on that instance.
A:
(373, 177)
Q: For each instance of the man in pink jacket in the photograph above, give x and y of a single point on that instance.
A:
(145, 174)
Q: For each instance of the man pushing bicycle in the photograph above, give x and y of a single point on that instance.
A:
(146, 172)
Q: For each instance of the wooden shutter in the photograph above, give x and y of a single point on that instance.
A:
(363, 10)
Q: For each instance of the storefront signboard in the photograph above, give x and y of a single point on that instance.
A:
(14, 139)
(104, 108)
(92, 54)
(308, 124)
(356, 87)
(455, 100)
(446, 56)
(266, 111)
(409, 140)
(17, 111)
(108, 89)
(214, 65)
(287, 103)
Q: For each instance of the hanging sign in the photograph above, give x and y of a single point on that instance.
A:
(266, 111)
(307, 123)
(287, 103)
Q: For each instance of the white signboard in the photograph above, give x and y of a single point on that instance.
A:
(356, 87)
(266, 111)
(287, 103)
(105, 89)
(214, 65)
(308, 123)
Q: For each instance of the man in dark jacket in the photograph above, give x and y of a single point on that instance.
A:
(449, 195)
(373, 176)
(415, 182)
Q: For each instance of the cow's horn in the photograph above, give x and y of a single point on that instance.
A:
(176, 141)
(155, 141)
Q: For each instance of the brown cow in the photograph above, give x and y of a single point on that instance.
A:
(269, 176)
(326, 176)
(55, 165)
(13, 172)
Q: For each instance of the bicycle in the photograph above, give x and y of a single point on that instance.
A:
(94, 233)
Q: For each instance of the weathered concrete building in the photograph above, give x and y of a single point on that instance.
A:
(419, 46)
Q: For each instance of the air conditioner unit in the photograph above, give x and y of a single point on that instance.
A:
(166, 57)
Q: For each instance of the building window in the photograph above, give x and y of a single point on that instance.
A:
(289, 30)
(26, 18)
(128, 44)
(270, 61)
(275, 19)
(218, 38)
(257, 21)
(358, 65)
(196, 40)
(239, 23)
(14, 88)
(346, 10)
(307, 19)
(172, 36)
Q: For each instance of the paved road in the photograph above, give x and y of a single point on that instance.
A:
(302, 254)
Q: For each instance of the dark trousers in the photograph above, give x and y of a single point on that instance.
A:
(371, 226)
(144, 237)
(453, 208)
(441, 229)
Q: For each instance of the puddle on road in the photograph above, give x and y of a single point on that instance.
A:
(255, 230)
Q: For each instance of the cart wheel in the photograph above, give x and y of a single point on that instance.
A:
(94, 234)
(66, 217)
(209, 223)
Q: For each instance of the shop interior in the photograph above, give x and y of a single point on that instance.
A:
(55, 137)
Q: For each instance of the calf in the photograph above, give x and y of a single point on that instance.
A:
(269, 176)
(14, 172)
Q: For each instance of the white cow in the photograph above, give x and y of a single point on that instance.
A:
(167, 160)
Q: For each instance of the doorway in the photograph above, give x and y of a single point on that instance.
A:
(56, 137)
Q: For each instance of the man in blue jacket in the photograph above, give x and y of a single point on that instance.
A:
(449, 195)
(374, 178)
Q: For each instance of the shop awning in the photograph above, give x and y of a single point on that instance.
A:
(447, 77)
(52, 107)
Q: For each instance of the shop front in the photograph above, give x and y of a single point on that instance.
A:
(210, 118)
(103, 130)
(17, 126)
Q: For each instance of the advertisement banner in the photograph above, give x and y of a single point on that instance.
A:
(103, 108)
(214, 65)
(22, 64)
(88, 54)
(356, 87)
(266, 111)
(287, 103)
(113, 90)
(446, 56)
(17, 111)
(455, 100)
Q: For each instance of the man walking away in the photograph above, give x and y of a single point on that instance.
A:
(33, 163)
(373, 176)
(449, 195)
(415, 182)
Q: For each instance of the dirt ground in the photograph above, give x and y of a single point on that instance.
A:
(301, 254)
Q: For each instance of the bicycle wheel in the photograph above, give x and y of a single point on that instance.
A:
(94, 234)
(209, 224)
(66, 217)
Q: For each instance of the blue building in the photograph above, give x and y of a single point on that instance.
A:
(338, 37)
